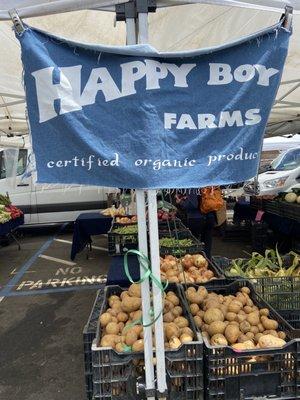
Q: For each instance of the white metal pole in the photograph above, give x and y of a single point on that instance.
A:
(155, 261)
(157, 294)
(143, 248)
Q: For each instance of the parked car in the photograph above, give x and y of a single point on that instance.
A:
(282, 175)
(44, 203)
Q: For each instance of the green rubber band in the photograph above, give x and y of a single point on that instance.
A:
(146, 265)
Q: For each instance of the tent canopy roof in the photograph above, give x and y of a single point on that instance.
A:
(212, 22)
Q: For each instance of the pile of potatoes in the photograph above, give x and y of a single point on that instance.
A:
(188, 269)
(121, 323)
(233, 320)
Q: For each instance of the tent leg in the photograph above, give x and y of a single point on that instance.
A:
(143, 248)
(155, 261)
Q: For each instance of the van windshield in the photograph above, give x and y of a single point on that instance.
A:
(287, 162)
(7, 164)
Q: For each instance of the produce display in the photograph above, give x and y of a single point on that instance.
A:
(113, 211)
(126, 230)
(188, 269)
(269, 265)
(121, 325)
(7, 211)
(127, 220)
(172, 242)
(233, 320)
(291, 197)
(166, 215)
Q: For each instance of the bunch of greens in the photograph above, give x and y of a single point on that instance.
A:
(172, 242)
(126, 230)
(271, 264)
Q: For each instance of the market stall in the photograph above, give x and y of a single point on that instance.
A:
(180, 331)
(11, 218)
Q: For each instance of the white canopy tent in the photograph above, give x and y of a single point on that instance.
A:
(281, 143)
(210, 22)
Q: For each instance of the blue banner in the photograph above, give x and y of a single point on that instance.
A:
(136, 118)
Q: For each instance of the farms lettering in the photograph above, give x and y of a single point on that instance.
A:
(72, 98)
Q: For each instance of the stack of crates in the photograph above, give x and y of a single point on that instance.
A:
(122, 375)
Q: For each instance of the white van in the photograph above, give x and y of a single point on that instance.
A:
(282, 175)
(44, 203)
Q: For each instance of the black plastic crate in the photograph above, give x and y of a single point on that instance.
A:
(272, 207)
(236, 232)
(119, 244)
(252, 374)
(180, 251)
(121, 375)
(290, 210)
(257, 203)
(168, 224)
(282, 293)
(259, 236)
(292, 317)
(178, 231)
(89, 334)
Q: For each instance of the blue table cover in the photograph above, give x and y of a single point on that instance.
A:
(116, 274)
(11, 225)
(87, 225)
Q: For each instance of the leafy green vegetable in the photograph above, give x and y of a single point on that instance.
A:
(126, 230)
(172, 242)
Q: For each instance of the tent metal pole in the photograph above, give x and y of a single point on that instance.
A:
(155, 260)
(143, 248)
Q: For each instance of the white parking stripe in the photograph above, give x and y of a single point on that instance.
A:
(63, 241)
(1, 298)
(58, 260)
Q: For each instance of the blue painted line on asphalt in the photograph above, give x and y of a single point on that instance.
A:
(12, 283)
(54, 290)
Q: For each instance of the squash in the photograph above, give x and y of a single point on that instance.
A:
(290, 197)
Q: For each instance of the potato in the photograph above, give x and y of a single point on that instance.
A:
(194, 308)
(243, 338)
(212, 304)
(264, 311)
(270, 332)
(124, 294)
(218, 340)
(135, 290)
(194, 297)
(174, 279)
(181, 322)
(168, 305)
(122, 317)
(186, 338)
(174, 342)
(257, 336)
(216, 327)
(112, 299)
(168, 317)
(281, 335)
(105, 319)
(187, 330)
(173, 299)
(248, 309)
(213, 314)
(235, 306)
(234, 323)
(248, 345)
(172, 330)
(249, 302)
(232, 333)
(138, 345)
(230, 316)
(245, 289)
(201, 313)
(241, 298)
(269, 341)
(269, 324)
(138, 329)
(250, 335)
(114, 319)
(253, 318)
(108, 341)
(131, 303)
(254, 329)
(112, 328)
(177, 311)
(245, 327)
(260, 328)
(240, 318)
(130, 338)
(223, 308)
(198, 321)
(121, 326)
(120, 347)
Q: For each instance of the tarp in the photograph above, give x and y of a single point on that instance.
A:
(170, 29)
(104, 115)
